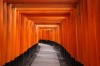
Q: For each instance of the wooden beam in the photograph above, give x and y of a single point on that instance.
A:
(41, 1)
(50, 5)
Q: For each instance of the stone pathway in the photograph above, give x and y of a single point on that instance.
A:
(47, 56)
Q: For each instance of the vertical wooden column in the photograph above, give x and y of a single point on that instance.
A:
(23, 34)
(40, 33)
(97, 20)
(82, 34)
(44, 33)
(13, 33)
(72, 35)
(1, 30)
(61, 34)
(92, 32)
(26, 27)
(79, 36)
(12, 19)
(30, 33)
(18, 18)
(85, 28)
(4, 50)
(33, 37)
(57, 34)
(50, 36)
(29, 29)
(69, 35)
(34, 32)
(51, 33)
(65, 34)
(9, 33)
(87, 33)
(27, 34)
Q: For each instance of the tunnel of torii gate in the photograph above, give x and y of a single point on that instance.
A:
(75, 24)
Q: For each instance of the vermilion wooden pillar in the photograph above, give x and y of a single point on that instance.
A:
(82, 27)
(79, 33)
(33, 36)
(13, 33)
(48, 32)
(9, 33)
(87, 34)
(18, 27)
(68, 38)
(95, 29)
(72, 34)
(23, 34)
(27, 34)
(92, 32)
(30, 33)
(4, 35)
(82, 34)
(65, 34)
(1, 30)
(97, 20)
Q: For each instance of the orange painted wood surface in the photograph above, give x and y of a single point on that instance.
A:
(16, 36)
(79, 32)
(97, 20)
(68, 36)
(48, 33)
(87, 33)
(1, 32)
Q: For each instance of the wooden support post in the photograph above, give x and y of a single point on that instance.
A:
(9, 33)
(97, 20)
(1, 29)
(4, 44)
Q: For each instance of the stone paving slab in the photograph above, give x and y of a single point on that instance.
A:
(47, 56)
